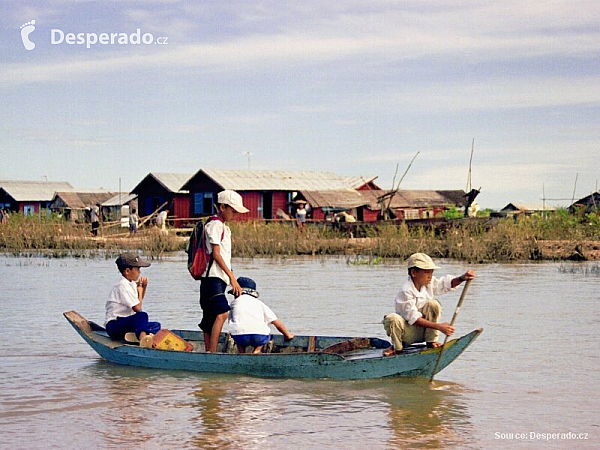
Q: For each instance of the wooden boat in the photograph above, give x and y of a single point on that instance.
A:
(301, 357)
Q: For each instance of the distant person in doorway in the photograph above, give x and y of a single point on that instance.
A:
(417, 311)
(218, 274)
(249, 319)
(95, 219)
(124, 306)
(133, 222)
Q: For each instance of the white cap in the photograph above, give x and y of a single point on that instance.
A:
(232, 199)
(421, 261)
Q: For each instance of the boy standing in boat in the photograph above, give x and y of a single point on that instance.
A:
(249, 319)
(124, 306)
(417, 310)
(218, 274)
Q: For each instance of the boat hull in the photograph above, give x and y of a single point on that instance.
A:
(368, 363)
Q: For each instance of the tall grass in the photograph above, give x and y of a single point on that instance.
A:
(54, 235)
(506, 240)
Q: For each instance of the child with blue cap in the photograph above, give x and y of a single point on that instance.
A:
(249, 319)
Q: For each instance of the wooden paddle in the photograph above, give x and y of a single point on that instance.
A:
(460, 302)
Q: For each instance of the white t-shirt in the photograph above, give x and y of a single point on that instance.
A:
(214, 230)
(161, 218)
(122, 298)
(249, 315)
(301, 215)
(410, 301)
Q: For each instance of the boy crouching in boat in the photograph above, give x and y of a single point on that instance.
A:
(124, 306)
(249, 319)
(417, 311)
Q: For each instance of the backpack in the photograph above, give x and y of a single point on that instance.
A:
(199, 259)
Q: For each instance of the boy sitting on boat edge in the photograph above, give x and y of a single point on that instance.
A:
(124, 305)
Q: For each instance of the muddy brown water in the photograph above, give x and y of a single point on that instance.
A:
(529, 381)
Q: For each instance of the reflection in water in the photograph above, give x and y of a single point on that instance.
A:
(424, 416)
(212, 425)
(254, 413)
(152, 408)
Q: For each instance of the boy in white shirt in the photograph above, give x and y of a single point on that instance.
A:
(124, 306)
(218, 274)
(417, 310)
(249, 319)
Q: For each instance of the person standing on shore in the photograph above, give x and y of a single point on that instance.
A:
(161, 221)
(3, 216)
(417, 311)
(95, 219)
(301, 216)
(133, 222)
(218, 274)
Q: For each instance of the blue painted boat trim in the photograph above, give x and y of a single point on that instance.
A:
(369, 363)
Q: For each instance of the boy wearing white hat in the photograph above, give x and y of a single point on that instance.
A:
(218, 276)
(417, 310)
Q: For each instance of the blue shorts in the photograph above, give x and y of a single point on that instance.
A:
(253, 340)
(137, 323)
(212, 301)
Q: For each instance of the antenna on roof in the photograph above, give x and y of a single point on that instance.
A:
(248, 154)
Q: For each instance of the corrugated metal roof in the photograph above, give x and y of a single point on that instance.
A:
(120, 199)
(421, 198)
(526, 207)
(79, 200)
(172, 181)
(346, 198)
(359, 181)
(26, 191)
(267, 180)
(349, 198)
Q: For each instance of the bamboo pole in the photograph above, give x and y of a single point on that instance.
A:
(460, 302)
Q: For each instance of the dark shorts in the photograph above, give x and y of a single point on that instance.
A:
(212, 301)
(253, 340)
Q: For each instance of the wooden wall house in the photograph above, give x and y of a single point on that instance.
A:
(76, 206)
(264, 192)
(325, 204)
(29, 197)
(112, 209)
(425, 204)
(588, 204)
(156, 189)
(367, 205)
(516, 209)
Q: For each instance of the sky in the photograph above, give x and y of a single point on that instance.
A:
(114, 90)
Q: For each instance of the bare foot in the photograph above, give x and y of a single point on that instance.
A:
(391, 351)
(433, 345)
(146, 341)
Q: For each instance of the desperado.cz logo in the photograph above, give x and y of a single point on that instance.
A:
(58, 36)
